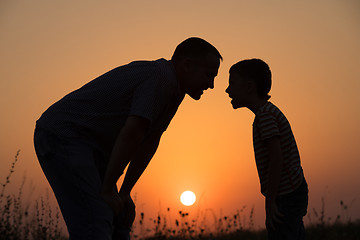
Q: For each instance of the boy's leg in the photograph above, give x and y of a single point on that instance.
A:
(294, 208)
(72, 173)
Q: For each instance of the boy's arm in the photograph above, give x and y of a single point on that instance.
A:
(274, 174)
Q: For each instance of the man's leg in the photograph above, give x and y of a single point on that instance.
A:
(71, 171)
(120, 230)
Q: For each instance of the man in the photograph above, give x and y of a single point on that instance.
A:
(85, 140)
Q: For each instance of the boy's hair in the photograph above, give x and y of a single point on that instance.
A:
(258, 71)
(196, 48)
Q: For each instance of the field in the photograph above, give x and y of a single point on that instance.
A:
(38, 220)
(240, 226)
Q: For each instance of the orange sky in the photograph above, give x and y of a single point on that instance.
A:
(50, 48)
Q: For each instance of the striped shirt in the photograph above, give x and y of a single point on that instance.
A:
(269, 122)
(98, 110)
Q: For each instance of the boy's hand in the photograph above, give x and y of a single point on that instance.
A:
(273, 215)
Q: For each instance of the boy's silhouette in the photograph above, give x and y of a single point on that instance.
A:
(85, 140)
(276, 153)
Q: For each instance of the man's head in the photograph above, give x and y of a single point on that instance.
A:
(250, 76)
(196, 63)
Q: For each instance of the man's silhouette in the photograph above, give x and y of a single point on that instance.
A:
(85, 140)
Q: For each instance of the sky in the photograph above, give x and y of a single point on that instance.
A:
(49, 48)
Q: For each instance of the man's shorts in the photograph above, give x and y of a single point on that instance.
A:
(75, 170)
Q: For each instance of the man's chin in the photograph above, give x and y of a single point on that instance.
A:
(195, 96)
(234, 105)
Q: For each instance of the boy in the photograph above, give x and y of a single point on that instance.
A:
(276, 153)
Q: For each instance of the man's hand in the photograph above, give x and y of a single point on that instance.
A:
(113, 199)
(121, 202)
(273, 215)
(128, 208)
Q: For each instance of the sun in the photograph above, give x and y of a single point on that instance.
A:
(188, 198)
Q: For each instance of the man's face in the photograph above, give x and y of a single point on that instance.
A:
(200, 76)
(237, 90)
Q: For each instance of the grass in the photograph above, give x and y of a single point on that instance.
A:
(19, 220)
(36, 219)
(241, 226)
(238, 225)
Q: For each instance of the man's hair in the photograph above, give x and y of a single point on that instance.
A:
(195, 48)
(256, 70)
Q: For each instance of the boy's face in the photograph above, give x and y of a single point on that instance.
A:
(199, 76)
(237, 90)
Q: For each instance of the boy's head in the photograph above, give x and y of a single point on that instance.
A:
(196, 64)
(248, 78)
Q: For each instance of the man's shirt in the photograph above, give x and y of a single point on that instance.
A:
(99, 109)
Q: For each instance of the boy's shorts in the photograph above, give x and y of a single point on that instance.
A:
(294, 207)
(74, 170)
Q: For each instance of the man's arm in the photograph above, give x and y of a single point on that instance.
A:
(137, 166)
(140, 161)
(274, 174)
(127, 143)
